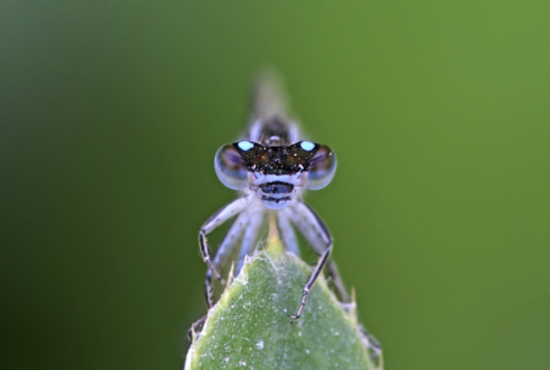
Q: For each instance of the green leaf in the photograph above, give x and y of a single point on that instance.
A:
(249, 327)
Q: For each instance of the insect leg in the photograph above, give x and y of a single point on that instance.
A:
(373, 347)
(223, 251)
(211, 224)
(310, 224)
(194, 327)
(249, 237)
(226, 246)
(230, 240)
(317, 234)
(287, 233)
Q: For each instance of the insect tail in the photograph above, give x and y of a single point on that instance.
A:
(267, 96)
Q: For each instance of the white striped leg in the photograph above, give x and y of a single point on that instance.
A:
(288, 235)
(211, 224)
(249, 238)
(222, 253)
(230, 240)
(320, 239)
(308, 225)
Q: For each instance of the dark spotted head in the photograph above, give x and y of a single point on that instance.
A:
(275, 173)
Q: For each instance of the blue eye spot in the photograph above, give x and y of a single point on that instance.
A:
(245, 145)
(308, 146)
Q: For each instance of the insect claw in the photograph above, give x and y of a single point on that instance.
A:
(294, 318)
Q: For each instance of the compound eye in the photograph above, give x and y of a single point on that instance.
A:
(230, 167)
(321, 168)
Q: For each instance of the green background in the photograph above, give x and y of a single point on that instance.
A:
(110, 115)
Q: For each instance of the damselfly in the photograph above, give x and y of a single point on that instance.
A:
(271, 167)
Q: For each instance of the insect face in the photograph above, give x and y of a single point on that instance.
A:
(275, 173)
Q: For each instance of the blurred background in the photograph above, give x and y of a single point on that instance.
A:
(111, 113)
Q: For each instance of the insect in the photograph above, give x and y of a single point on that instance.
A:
(271, 167)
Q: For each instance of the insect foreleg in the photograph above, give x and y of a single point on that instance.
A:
(211, 224)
